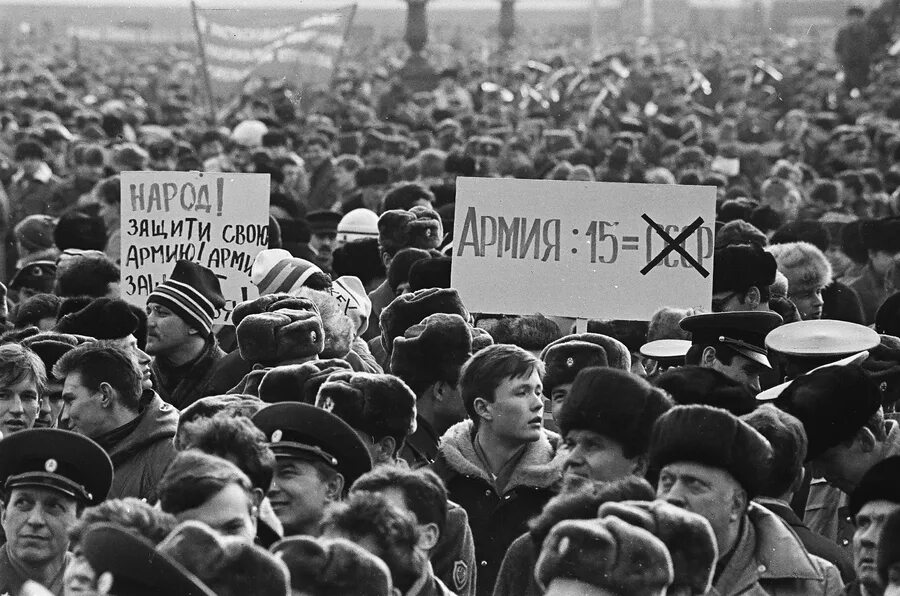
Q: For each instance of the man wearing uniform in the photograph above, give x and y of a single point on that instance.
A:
(318, 457)
(742, 277)
(48, 477)
(732, 343)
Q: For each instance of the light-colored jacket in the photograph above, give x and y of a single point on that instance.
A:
(779, 565)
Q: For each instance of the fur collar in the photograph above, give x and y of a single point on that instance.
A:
(540, 466)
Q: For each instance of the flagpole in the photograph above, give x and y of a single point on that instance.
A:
(206, 80)
(340, 54)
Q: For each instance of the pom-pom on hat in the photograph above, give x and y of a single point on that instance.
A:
(376, 404)
(697, 433)
(102, 318)
(193, 293)
(278, 328)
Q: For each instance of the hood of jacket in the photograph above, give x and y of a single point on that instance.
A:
(539, 467)
(159, 421)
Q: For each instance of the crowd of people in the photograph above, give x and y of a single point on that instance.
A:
(356, 429)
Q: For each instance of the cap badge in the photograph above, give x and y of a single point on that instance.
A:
(328, 404)
(313, 336)
(276, 436)
(570, 361)
(50, 465)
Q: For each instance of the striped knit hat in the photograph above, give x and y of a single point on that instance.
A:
(276, 271)
(193, 293)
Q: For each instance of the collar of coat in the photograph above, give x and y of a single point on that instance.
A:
(778, 552)
(540, 466)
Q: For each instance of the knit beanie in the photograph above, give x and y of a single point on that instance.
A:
(276, 271)
(804, 265)
(193, 293)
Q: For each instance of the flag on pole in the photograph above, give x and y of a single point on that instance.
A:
(243, 43)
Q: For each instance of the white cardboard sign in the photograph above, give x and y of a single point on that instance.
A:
(582, 249)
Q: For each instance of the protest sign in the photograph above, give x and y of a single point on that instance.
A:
(582, 249)
(243, 42)
(219, 220)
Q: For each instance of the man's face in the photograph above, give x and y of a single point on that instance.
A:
(166, 331)
(701, 489)
(83, 410)
(842, 466)
(322, 243)
(518, 408)
(298, 496)
(345, 179)
(142, 359)
(596, 457)
(728, 301)
(557, 398)
(79, 578)
(315, 155)
(450, 409)
(809, 303)
(36, 522)
(742, 369)
(30, 165)
(18, 405)
(230, 512)
(869, 522)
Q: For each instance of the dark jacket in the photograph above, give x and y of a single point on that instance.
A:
(144, 454)
(380, 297)
(872, 290)
(516, 577)
(421, 447)
(323, 193)
(497, 519)
(453, 557)
(814, 543)
(183, 385)
(842, 303)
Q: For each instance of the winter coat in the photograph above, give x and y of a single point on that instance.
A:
(183, 385)
(814, 543)
(141, 457)
(497, 519)
(873, 290)
(516, 577)
(323, 193)
(380, 297)
(453, 557)
(770, 560)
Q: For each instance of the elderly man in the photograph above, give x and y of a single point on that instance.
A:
(48, 477)
(757, 551)
(102, 400)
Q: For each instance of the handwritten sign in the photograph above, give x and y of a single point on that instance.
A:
(220, 221)
(582, 249)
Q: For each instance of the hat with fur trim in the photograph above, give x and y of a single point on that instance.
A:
(50, 347)
(102, 318)
(700, 385)
(278, 328)
(398, 270)
(697, 433)
(378, 405)
(409, 309)
(616, 404)
(226, 564)
(430, 273)
(431, 351)
(298, 382)
(742, 266)
(609, 554)
(320, 567)
(564, 358)
(420, 227)
(617, 355)
(688, 536)
(804, 265)
(276, 271)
